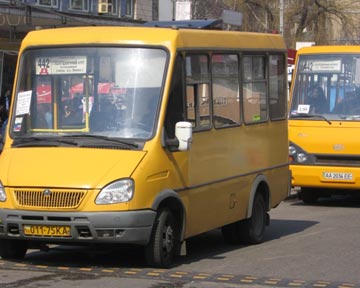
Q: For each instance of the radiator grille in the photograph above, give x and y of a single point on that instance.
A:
(337, 160)
(54, 199)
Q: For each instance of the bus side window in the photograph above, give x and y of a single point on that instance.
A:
(254, 89)
(175, 107)
(191, 104)
(254, 102)
(225, 90)
(198, 91)
(277, 92)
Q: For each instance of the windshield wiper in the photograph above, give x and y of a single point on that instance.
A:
(41, 141)
(105, 138)
(304, 115)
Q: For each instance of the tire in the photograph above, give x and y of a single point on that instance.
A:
(308, 195)
(13, 249)
(248, 231)
(161, 248)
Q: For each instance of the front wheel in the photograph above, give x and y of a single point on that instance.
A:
(161, 248)
(13, 248)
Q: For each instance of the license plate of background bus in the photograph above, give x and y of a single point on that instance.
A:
(335, 176)
(52, 231)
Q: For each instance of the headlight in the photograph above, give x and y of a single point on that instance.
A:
(292, 150)
(298, 155)
(301, 158)
(2, 193)
(116, 192)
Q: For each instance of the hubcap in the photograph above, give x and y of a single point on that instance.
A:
(168, 239)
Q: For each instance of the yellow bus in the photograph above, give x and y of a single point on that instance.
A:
(324, 121)
(144, 136)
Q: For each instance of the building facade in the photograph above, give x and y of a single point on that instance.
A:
(18, 17)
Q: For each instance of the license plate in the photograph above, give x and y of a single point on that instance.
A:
(338, 176)
(52, 231)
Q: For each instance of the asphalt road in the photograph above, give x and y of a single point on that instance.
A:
(305, 246)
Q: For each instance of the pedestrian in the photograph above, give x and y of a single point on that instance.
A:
(4, 109)
(5, 101)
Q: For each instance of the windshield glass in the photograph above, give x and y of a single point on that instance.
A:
(105, 91)
(327, 87)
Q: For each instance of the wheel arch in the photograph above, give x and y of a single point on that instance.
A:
(171, 200)
(260, 185)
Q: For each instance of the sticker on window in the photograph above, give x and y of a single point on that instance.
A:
(18, 124)
(60, 65)
(303, 109)
(23, 103)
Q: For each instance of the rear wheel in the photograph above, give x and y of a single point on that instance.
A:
(160, 250)
(248, 231)
(13, 249)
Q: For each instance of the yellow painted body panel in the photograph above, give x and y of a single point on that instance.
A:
(318, 137)
(82, 168)
(248, 152)
(329, 49)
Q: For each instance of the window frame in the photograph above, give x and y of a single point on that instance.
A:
(53, 3)
(128, 8)
(228, 53)
(264, 81)
(195, 84)
(86, 9)
(284, 88)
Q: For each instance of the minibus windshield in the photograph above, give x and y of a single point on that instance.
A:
(99, 91)
(327, 87)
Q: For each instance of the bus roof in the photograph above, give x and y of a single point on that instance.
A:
(341, 49)
(170, 37)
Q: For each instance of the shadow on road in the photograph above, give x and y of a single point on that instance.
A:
(343, 201)
(211, 245)
(280, 228)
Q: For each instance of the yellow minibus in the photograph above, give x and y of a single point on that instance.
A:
(324, 121)
(144, 136)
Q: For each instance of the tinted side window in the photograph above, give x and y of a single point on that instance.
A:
(254, 89)
(175, 109)
(225, 89)
(197, 91)
(277, 91)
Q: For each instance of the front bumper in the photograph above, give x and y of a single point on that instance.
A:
(314, 176)
(127, 227)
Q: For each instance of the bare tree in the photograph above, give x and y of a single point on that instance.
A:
(322, 21)
(257, 15)
(207, 9)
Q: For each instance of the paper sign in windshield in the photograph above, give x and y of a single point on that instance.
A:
(23, 103)
(303, 109)
(60, 65)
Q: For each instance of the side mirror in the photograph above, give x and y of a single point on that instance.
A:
(183, 133)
